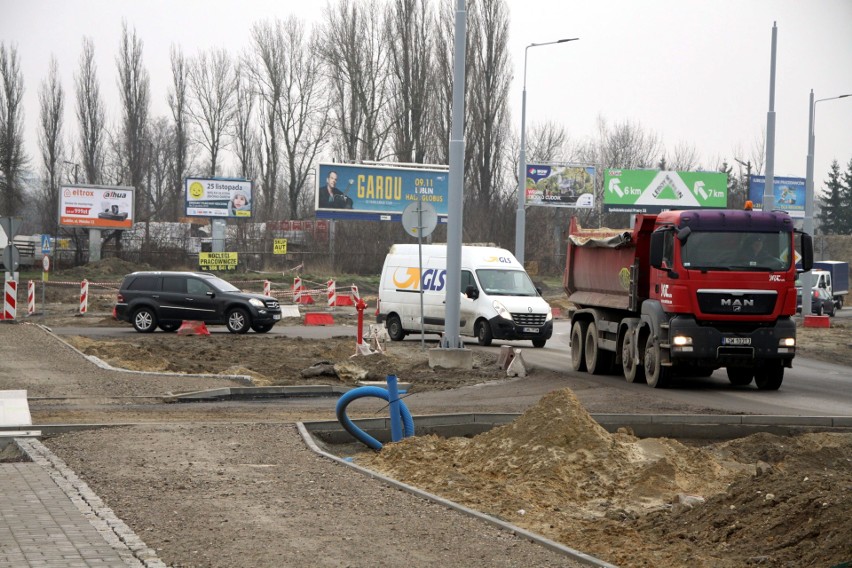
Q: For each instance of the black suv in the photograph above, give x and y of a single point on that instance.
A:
(165, 299)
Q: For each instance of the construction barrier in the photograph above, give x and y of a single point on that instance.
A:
(267, 287)
(315, 318)
(331, 293)
(11, 300)
(84, 297)
(30, 297)
(193, 328)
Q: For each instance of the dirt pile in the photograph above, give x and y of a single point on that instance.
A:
(558, 473)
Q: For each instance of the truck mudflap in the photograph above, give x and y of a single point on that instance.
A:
(741, 346)
(509, 330)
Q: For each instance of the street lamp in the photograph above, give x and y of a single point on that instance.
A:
(748, 176)
(520, 227)
(808, 222)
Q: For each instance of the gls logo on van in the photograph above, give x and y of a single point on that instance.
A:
(503, 259)
(434, 279)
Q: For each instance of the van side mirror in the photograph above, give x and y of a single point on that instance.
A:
(471, 292)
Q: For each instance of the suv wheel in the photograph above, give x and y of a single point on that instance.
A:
(145, 320)
(238, 321)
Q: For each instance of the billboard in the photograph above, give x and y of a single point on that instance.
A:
(96, 206)
(560, 186)
(652, 191)
(377, 192)
(789, 194)
(218, 197)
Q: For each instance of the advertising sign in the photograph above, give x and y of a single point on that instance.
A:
(96, 206)
(218, 197)
(218, 260)
(789, 194)
(380, 193)
(652, 191)
(561, 186)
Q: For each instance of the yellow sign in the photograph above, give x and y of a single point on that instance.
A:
(279, 246)
(217, 260)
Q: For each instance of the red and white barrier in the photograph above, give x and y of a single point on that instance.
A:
(355, 296)
(297, 290)
(30, 297)
(267, 287)
(84, 297)
(331, 293)
(11, 300)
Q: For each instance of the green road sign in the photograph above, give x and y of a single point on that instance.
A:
(652, 191)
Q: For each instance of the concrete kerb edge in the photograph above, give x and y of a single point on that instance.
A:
(510, 528)
(115, 532)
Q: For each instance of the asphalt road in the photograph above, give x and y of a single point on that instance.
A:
(811, 387)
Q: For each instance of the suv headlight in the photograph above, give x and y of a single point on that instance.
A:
(256, 303)
(502, 311)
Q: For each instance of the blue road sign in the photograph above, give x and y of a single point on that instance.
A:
(45, 244)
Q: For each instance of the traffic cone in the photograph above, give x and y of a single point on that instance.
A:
(191, 327)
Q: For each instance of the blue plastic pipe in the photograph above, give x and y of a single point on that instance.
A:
(355, 431)
(396, 422)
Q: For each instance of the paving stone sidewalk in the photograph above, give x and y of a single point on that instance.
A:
(50, 518)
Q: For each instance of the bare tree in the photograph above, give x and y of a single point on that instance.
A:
(245, 138)
(178, 102)
(90, 114)
(684, 158)
(13, 160)
(134, 89)
(159, 158)
(353, 49)
(265, 64)
(303, 120)
(51, 98)
(412, 25)
(211, 108)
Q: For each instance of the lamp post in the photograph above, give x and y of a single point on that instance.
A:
(748, 176)
(520, 227)
(808, 222)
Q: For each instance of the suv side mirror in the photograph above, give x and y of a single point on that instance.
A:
(471, 292)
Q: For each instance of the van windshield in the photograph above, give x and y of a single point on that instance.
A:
(506, 283)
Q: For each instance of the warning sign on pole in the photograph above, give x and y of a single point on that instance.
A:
(279, 246)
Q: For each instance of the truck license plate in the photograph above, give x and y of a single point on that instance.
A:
(736, 341)
(530, 330)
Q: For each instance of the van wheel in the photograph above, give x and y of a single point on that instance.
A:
(145, 320)
(483, 333)
(395, 330)
(238, 321)
(539, 343)
(578, 337)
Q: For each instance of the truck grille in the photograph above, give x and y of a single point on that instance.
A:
(757, 302)
(529, 319)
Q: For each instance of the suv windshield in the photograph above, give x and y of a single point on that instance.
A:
(506, 283)
(221, 285)
(736, 251)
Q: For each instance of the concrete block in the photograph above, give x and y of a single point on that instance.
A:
(507, 353)
(817, 321)
(517, 368)
(451, 358)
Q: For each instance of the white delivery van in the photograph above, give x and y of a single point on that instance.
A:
(499, 299)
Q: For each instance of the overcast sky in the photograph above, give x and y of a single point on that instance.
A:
(692, 71)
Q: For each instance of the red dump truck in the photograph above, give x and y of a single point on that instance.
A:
(685, 293)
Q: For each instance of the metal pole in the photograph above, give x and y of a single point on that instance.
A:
(520, 216)
(769, 188)
(808, 222)
(420, 265)
(452, 339)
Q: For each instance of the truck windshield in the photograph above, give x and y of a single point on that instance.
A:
(506, 283)
(736, 251)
